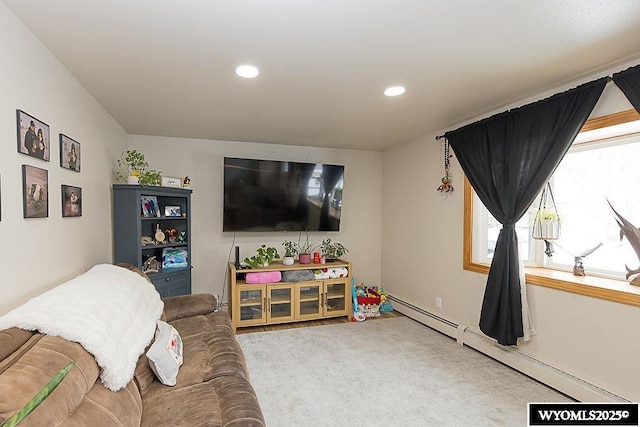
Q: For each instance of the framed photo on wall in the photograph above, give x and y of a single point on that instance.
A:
(69, 153)
(33, 136)
(71, 201)
(35, 192)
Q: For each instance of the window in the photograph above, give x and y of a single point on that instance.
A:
(601, 165)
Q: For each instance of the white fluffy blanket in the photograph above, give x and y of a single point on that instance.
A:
(109, 310)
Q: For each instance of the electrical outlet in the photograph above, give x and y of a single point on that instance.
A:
(438, 302)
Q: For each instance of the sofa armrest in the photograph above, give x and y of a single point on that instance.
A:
(183, 306)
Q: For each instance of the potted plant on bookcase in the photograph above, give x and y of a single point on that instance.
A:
(137, 169)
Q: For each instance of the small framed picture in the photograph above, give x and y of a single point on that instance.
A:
(71, 201)
(69, 153)
(171, 181)
(35, 192)
(172, 211)
(33, 136)
(150, 207)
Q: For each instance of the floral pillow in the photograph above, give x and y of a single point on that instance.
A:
(165, 355)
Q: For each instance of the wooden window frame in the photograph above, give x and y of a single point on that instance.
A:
(619, 291)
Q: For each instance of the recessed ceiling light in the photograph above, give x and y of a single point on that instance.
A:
(394, 91)
(247, 71)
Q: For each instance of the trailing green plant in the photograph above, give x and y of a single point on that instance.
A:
(333, 249)
(134, 162)
(263, 257)
(150, 177)
(136, 165)
(40, 397)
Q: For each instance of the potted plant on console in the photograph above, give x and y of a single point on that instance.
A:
(290, 252)
(332, 250)
(305, 249)
(263, 257)
(302, 249)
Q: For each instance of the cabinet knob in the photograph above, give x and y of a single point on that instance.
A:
(168, 279)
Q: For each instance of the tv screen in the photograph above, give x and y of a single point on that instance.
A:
(270, 195)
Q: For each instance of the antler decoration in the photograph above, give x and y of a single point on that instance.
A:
(446, 186)
(632, 233)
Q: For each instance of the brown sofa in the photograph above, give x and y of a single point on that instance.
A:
(212, 386)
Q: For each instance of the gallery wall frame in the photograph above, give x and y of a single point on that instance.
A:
(33, 136)
(71, 201)
(35, 192)
(69, 153)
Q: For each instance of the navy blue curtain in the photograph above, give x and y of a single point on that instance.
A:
(508, 158)
(629, 83)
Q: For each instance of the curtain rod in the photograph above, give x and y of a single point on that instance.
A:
(609, 79)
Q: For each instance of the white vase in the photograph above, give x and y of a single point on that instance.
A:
(288, 260)
(132, 180)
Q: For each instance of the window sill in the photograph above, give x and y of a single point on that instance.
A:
(597, 287)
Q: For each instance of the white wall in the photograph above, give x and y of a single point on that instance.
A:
(593, 339)
(202, 161)
(38, 254)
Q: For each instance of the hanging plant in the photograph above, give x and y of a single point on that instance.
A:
(546, 222)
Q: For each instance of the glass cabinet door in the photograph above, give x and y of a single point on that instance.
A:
(336, 296)
(280, 303)
(251, 305)
(309, 304)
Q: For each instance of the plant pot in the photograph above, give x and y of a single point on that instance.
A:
(133, 180)
(305, 259)
(288, 260)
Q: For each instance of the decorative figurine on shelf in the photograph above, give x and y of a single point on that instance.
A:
(182, 237)
(446, 186)
(159, 236)
(150, 265)
(186, 182)
(172, 235)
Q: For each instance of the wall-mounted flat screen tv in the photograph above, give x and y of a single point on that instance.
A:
(270, 195)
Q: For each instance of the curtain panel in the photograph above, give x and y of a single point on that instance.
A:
(629, 83)
(508, 158)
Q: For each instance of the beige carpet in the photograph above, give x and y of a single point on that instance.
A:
(390, 372)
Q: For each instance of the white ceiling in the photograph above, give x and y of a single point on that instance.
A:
(166, 67)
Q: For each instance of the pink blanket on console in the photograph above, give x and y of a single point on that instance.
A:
(263, 277)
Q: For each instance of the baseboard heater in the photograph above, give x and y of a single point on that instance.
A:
(558, 379)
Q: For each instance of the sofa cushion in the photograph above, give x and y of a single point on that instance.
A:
(226, 401)
(182, 306)
(35, 367)
(192, 326)
(166, 353)
(103, 407)
(196, 405)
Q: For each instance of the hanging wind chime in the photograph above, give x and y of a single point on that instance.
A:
(446, 186)
(546, 224)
